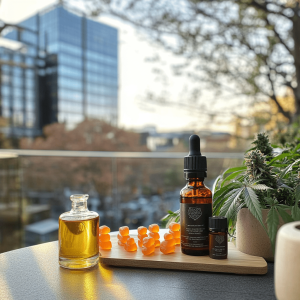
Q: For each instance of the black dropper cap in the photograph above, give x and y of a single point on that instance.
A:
(217, 224)
(195, 165)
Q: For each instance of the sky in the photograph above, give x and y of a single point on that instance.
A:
(137, 77)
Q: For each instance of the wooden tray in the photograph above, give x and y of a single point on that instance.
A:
(237, 262)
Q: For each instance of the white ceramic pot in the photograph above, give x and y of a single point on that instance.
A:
(251, 238)
(287, 262)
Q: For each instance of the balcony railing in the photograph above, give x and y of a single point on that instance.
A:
(132, 188)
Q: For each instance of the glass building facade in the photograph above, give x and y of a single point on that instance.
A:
(69, 72)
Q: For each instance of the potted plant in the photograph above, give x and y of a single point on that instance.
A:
(259, 196)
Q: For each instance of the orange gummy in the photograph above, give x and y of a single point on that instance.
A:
(148, 241)
(140, 242)
(167, 250)
(157, 243)
(142, 230)
(142, 236)
(122, 238)
(105, 245)
(120, 243)
(104, 237)
(131, 247)
(168, 243)
(124, 230)
(148, 250)
(177, 241)
(176, 234)
(155, 235)
(168, 236)
(153, 228)
(130, 241)
(174, 226)
(104, 229)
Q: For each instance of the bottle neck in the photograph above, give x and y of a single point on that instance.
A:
(195, 181)
(79, 206)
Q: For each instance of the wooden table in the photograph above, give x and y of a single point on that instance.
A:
(33, 273)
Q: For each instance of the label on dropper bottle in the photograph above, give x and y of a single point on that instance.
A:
(194, 224)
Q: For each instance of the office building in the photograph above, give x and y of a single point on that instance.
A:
(65, 70)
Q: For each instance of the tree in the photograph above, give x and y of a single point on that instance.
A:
(251, 47)
(56, 173)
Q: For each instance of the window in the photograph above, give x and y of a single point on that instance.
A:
(64, 47)
(70, 72)
(68, 83)
(5, 90)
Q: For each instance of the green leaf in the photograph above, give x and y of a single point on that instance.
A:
(284, 215)
(288, 168)
(297, 193)
(260, 187)
(279, 165)
(222, 191)
(283, 206)
(227, 208)
(295, 150)
(279, 157)
(215, 185)
(232, 210)
(272, 222)
(270, 201)
(296, 213)
(275, 146)
(234, 169)
(231, 176)
(253, 205)
(217, 204)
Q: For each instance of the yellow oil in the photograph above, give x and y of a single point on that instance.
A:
(78, 240)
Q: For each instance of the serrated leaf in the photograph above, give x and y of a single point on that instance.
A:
(220, 201)
(216, 184)
(241, 178)
(272, 222)
(295, 150)
(297, 193)
(281, 184)
(222, 191)
(229, 202)
(234, 170)
(284, 215)
(296, 213)
(270, 200)
(279, 157)
(173, 218)
(253, 205)
(260, 187)
(288, 168)
(279, 166)
(231, 176)
(232, 210)
(285, 206)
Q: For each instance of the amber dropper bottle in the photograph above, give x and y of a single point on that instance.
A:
(195, 203)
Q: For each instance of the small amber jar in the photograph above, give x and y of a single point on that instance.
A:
(218, 241)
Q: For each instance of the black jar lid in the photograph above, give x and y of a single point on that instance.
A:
(218, 223)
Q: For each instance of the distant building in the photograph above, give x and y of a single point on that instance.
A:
(66, 70)
(179, 141)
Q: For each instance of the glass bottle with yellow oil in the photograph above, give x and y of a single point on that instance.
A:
(78, 235)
